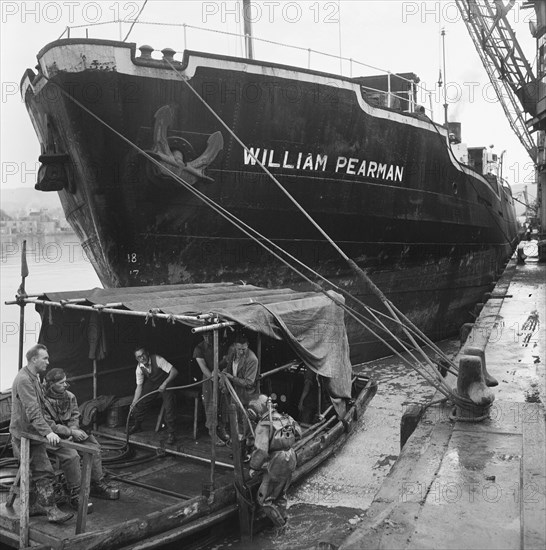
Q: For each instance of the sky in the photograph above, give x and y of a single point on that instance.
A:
(392, 35)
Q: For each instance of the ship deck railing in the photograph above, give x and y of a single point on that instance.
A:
(390, 96)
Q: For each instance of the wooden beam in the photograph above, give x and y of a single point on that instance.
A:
(81, 520)
(13, 490)
(64, 443)
(176, 534)
(23, 493)
(214, 419)
(244, 515)
(140, 528)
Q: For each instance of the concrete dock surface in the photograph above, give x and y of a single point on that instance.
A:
(372, 495)
(477, 485)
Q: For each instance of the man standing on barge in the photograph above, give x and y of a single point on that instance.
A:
(241, 369)
(203, 354)
(27, 416)
(153, 372)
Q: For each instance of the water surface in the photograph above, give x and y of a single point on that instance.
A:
(56, 262)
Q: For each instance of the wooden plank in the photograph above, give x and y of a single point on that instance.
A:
(23, 494)
(173, 535)
(142, 527)
(244, 512)
(36, 535)
(64, 443)
(13, 490)
(84, 494)
(165, 464)
(10, 539)
(533, 489)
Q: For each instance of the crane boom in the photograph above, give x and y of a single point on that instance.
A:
(504, 61)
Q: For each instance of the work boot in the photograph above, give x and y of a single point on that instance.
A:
(246, 453)
(74, 500)
(46, 498)
(101, 489)
(222, 433)
(34, 509)
(272, 512)
(218, 441)
(135, 428)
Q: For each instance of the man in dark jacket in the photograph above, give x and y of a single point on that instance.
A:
(153, 372)
(241, 370)
(275, 436)
(203, 354)
(27, 416)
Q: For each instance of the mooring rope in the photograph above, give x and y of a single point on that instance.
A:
(245, 228)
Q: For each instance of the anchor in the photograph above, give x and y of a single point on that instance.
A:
(169, 151)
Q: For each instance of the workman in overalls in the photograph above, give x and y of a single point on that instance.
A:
(275, 435)
(63, 417)
(153, 372)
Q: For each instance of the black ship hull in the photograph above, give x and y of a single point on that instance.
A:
(431, 233)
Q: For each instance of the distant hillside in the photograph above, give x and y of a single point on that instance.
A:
(13, 201)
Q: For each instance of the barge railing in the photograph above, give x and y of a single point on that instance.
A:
(23, 478)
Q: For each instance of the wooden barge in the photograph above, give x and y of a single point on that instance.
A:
(172, 492)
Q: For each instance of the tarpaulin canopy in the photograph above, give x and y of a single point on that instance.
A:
(309, 321)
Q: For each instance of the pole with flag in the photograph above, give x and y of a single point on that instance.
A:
(21, 295)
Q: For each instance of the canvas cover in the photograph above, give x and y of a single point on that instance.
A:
(309, 321)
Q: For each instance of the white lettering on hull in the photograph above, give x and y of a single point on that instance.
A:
(351, 166)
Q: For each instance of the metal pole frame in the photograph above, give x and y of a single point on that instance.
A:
(214, 419)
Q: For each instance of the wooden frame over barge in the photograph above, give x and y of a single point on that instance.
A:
(171, 492)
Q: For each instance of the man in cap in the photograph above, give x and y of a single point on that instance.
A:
(63, 416)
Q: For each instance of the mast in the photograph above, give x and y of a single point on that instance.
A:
(445, 76)
(249, 52)
(21, 295)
